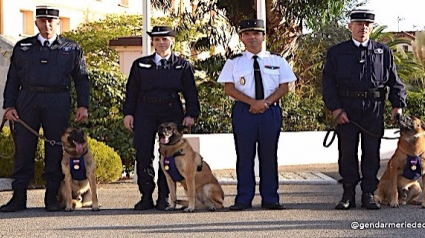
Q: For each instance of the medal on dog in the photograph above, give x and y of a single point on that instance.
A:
(413, 164)
(167, 167)
(76, 164)
(242, 81)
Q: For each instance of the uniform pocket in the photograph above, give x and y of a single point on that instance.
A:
(242, 76)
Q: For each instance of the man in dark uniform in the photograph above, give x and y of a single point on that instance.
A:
(256, 80)
(152, 98)
(359, 75)
(37, 92)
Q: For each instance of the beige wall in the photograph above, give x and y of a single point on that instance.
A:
(77, 11)
(6, 47)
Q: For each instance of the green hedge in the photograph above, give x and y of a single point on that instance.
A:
(108, 162)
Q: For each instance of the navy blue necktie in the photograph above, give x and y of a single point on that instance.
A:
(259, 89)
(46, 43)
(163, 63)
(363, 54)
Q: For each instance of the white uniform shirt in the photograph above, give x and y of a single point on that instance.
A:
(275, 70)
(158, 59)
(42, 40)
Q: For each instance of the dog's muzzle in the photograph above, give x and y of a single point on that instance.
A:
(405, 122)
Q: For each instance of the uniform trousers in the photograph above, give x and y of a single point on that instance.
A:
(254, 132)
(51, 111)
(367, 113)
(145, 130)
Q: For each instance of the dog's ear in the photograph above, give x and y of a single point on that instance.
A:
(423, 125)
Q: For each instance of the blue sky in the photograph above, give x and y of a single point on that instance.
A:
(409, 12)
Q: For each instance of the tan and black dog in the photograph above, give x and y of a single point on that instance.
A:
(181, 163)
(79, 186)
(399, 183)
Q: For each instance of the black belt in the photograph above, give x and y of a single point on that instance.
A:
(373, 94)
(57, 89)
(155, 100)
(270, 105)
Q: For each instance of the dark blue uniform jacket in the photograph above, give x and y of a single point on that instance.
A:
(34, 65)
(146, 81)
(344, 72)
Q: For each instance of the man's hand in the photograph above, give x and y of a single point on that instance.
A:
(259, 106)
(129, 122)
(394, 112)
(11, 114)
(340, 116)
(188, 121)
(81, 115)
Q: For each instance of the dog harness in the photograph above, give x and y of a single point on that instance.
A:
(170, 166)
(78, 168)
(413, 168)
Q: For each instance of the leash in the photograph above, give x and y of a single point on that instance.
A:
(335, 124)
(51, 142)
(11, 125)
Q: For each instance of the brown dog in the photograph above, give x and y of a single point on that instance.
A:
(399, 183)
(79, 186)
(181, 163)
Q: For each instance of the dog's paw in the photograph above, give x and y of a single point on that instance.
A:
(212, 209)
(69, 209)
(189, 209)
(170, 208)
(395, 204)
(95, 209)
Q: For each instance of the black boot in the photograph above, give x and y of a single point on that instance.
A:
(51, 197)
(162, 203)
(145, 203)
(18, 201)
(348, 197)
(368, 202)
(163, 192)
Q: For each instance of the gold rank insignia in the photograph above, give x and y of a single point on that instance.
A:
(242, 81)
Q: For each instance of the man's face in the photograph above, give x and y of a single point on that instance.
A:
(162, 43)
(252, 40)
(360, 30)
(47, 26)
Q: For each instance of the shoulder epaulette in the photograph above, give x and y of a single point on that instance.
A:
(235, 56)
(274, 53)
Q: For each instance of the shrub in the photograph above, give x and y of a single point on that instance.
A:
(108, 162)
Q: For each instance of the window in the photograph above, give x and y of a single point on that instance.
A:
(124, 3)
(64, 25)
(27, 22)
(405, 48)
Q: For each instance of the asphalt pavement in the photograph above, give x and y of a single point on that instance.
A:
(310, 212)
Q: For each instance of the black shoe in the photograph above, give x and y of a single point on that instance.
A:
(162, 204)
(348, 197)
(345, 204)
(273, 206)
(368, 202)
(144, 204)
(53, 206)
(239, 207)
(18, 202)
